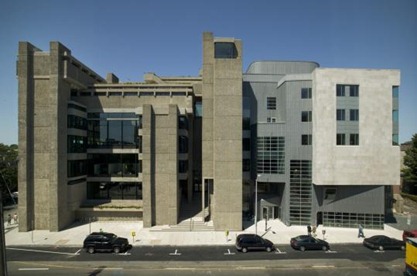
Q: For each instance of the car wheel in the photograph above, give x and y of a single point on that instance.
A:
(268, 249)
(116, 250)
(381, 248)
(244, 250)
(324, 248)
(90, 250)
(302, 248)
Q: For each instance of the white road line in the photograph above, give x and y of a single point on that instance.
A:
(277, 251)
(40, 251)
(229, 253)
(175, 253)
(250, 268)
(78, 252)
(323, 266)
(34, 269)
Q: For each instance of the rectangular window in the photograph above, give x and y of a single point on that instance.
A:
(246, 144)
(354, 115)
(225, 50)
(305, 93)
(340, 114)
(271, 119)
(340, 90)
(395, 91)
(306, 139)
(271, 103)
(354, 139)
(340, 139)
(306, 116)
(271, 155)
(246, 165)
(354, 90)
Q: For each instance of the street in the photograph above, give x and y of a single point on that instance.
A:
(191, 260)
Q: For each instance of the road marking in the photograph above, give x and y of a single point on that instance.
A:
(34, 269)
(175, 253)
(323, 266)
(40, 251)
(250, 268)
(126, 253)
(330, 251)
(78, 252)
(379, 251)
(229, 253)
(277, 251)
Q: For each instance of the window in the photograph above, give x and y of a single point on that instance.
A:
(354, 115)
(340, 139)
(76, 144)
(330, 194)
(182, 122)
(395, 91)
(225, 50)
(271, 103)
(271, 155)
(354, 139)
(183, 166)
(246, 165)
(354, 91)
(246, 144)
(340, 114)
(306, 116)
(76, 168)
(271, 119)
(305, 93)
(340, 90)
(182, 144)
(306, 139)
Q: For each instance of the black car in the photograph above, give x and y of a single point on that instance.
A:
(382, 242)
(305, 242)
(102, 241)
(245, 242)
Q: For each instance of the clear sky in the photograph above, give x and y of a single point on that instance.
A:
(130, 38)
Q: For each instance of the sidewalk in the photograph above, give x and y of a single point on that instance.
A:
(277, 232)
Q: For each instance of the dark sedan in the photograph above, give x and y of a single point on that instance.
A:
(382, 242)
(305, 242)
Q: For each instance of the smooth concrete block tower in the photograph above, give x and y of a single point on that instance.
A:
(222, 131)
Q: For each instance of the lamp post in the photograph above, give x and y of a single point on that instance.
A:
(256, 204)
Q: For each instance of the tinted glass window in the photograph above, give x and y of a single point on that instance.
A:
(225, 50)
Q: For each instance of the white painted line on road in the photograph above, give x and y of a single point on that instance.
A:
(323, 266)
(330, 251)
(379, 251)
(78, 252)
(277, 251)
(229, 253)
(250, 268)
(113, 268)
(34, 269)
(40, 251)
(175, 253)
(126, 253)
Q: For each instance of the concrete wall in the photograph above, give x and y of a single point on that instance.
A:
(375, 161)
(222, 132)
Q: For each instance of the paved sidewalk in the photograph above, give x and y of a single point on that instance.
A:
(277, 232)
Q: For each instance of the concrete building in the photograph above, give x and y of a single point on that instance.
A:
(95, 148)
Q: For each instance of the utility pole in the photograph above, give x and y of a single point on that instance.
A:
(3, 261)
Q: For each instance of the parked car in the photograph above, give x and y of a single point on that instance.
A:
(382, 242)
(102, 241)
(245, 242)
(409, 234)
(305, 242)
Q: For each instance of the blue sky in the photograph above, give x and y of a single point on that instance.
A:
(130, 38)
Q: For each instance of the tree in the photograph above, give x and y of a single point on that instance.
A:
(410, 161)
(8, 169)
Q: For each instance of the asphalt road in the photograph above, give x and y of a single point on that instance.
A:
(203, 260)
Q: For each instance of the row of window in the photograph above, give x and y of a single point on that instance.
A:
(343, 90)
(271, 155)
(353, 114)
(353, 139)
